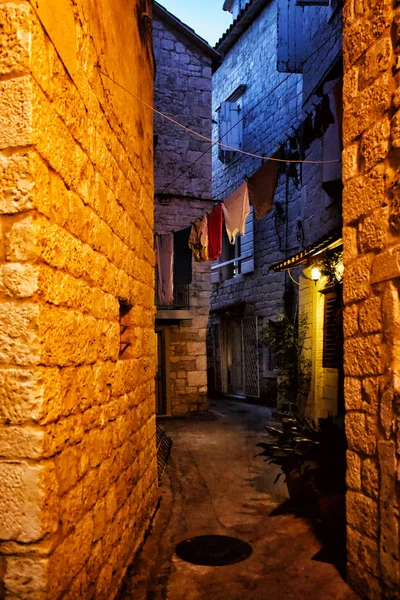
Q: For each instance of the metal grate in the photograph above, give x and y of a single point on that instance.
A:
(180, 300)
(250, 357)
(164, 444)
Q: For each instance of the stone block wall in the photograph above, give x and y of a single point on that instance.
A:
(187, 339)
(272, 105)
(77, 426)
(183, 91)
(371, 140)
(273, 102)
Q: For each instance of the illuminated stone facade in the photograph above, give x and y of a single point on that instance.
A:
(182, 89)
(77, 425)
(371, 211)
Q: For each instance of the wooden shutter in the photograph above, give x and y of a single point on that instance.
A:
(230, 129)
(330, 354)
(247, 245)
(291, 46)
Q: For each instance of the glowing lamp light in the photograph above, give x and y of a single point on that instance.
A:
(315, 274)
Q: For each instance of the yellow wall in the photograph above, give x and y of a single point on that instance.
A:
(323, 395)
(77, 425)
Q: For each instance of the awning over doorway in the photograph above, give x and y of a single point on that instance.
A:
(327, 242)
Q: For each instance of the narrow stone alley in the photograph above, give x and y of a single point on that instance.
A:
(213, 484)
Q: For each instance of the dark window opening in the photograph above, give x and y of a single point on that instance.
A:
(126, 333)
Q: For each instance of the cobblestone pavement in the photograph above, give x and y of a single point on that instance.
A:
(214, 485)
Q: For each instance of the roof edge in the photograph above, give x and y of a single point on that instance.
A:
(187, 31)
(244, 19)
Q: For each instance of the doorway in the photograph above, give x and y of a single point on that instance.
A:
(162, 369)
(234, 350)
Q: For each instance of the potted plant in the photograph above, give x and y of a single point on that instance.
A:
(290, 449)
(287, 338)
(312, 455)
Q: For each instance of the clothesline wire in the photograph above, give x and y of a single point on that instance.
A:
(336, 161)
(248, 112)
(217, 142)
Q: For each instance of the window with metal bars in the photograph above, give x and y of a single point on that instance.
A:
(331, 331)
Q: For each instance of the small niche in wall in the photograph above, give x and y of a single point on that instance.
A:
(126, 334)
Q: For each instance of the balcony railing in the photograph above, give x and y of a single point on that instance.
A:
(180, 301)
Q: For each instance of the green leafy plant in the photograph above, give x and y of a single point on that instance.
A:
(315, 451)
(287, 338)
(331, 267)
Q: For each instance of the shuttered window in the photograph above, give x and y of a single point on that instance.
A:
(331, 331)
(291, 41)
(238, 258)
(230, 130)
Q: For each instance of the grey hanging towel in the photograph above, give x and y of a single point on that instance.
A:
(182, 257)
(262, 185)
(165, 268)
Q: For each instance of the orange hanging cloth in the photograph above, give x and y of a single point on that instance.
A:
(198, 240)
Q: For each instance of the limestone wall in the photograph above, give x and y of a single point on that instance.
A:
(187, 338)
(183, 90)
(371, 293)
(272, 105)
(77, 426)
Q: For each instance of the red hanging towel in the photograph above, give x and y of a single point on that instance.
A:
(165, 268)
(215, 233)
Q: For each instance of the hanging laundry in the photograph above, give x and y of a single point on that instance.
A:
(308, 132)
(262, 185)
(165, 268)
(236, 210)
(215, 233)
(323, 117)
(198, 240)
(291, 167)
(300, 143)
(182, 257)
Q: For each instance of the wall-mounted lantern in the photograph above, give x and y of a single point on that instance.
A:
(315, 275)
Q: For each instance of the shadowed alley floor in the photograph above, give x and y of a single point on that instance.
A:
(214, 485)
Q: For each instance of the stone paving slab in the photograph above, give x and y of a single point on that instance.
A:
(214, 485)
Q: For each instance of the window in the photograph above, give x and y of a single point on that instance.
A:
(292, 43)
(238, 258)
(230, 126)
(331, 331)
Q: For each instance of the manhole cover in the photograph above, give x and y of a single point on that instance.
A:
(213, 550)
